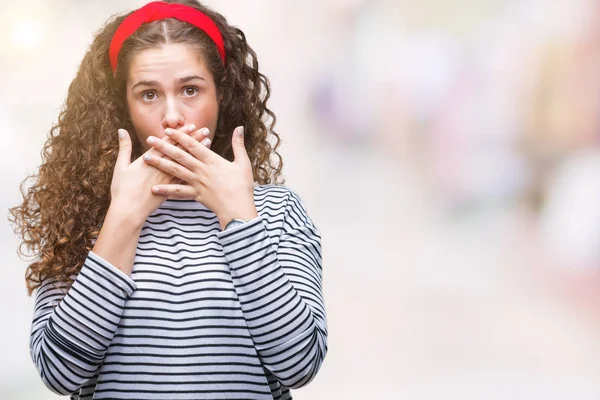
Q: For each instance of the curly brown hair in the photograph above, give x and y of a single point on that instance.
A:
(64, 208)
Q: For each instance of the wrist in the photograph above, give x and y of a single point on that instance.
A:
(246, 216)
(127, 217)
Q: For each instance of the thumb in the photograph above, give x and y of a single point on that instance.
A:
(124, 156)
(237, 142)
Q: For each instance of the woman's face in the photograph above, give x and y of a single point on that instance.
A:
(170, 87)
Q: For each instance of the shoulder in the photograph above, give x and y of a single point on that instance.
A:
(278, 203)
(277, 197)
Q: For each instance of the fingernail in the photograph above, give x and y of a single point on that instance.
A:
(206, 142)
(147, 157)
(191, 128)
(240, 130)
(121, 133)
(205, 131)
(150, 140)
(168, 132)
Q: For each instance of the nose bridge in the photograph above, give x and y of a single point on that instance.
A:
(173, 115)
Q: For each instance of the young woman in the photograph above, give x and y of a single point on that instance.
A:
(171, 262)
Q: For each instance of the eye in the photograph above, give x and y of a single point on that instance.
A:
(190, 91)
(149, 95)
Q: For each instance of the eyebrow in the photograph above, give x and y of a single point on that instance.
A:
(178, 81)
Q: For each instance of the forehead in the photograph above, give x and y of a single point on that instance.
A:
(167, 63)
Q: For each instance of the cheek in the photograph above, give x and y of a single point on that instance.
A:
(145, 123)
(207, 116)
(140, 124)
(214, 117)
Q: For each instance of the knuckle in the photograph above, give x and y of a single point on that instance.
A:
(190, 144)
(178, 155)
(174, 170)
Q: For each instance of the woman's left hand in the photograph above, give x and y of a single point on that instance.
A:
(225, 187)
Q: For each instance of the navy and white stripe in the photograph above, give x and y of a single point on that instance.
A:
(205, 314)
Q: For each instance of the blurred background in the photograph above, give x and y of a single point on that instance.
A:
(449, 152)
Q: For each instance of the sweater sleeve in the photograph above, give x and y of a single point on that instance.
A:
(71, 332)
(280, 291)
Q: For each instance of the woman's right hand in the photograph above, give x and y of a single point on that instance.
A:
(131, 194)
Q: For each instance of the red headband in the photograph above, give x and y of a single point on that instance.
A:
(158, 10)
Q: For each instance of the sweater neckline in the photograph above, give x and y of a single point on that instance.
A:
(188, 204)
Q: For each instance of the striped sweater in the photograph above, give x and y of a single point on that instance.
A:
(206, 314)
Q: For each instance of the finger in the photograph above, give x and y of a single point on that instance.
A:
(174, 153)
(239, 148)
(191, 145)
(201, 135)
(156, 152)
(170, 167)
(175, 191)
(188, 129)
(124, 155)
(198, 134)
